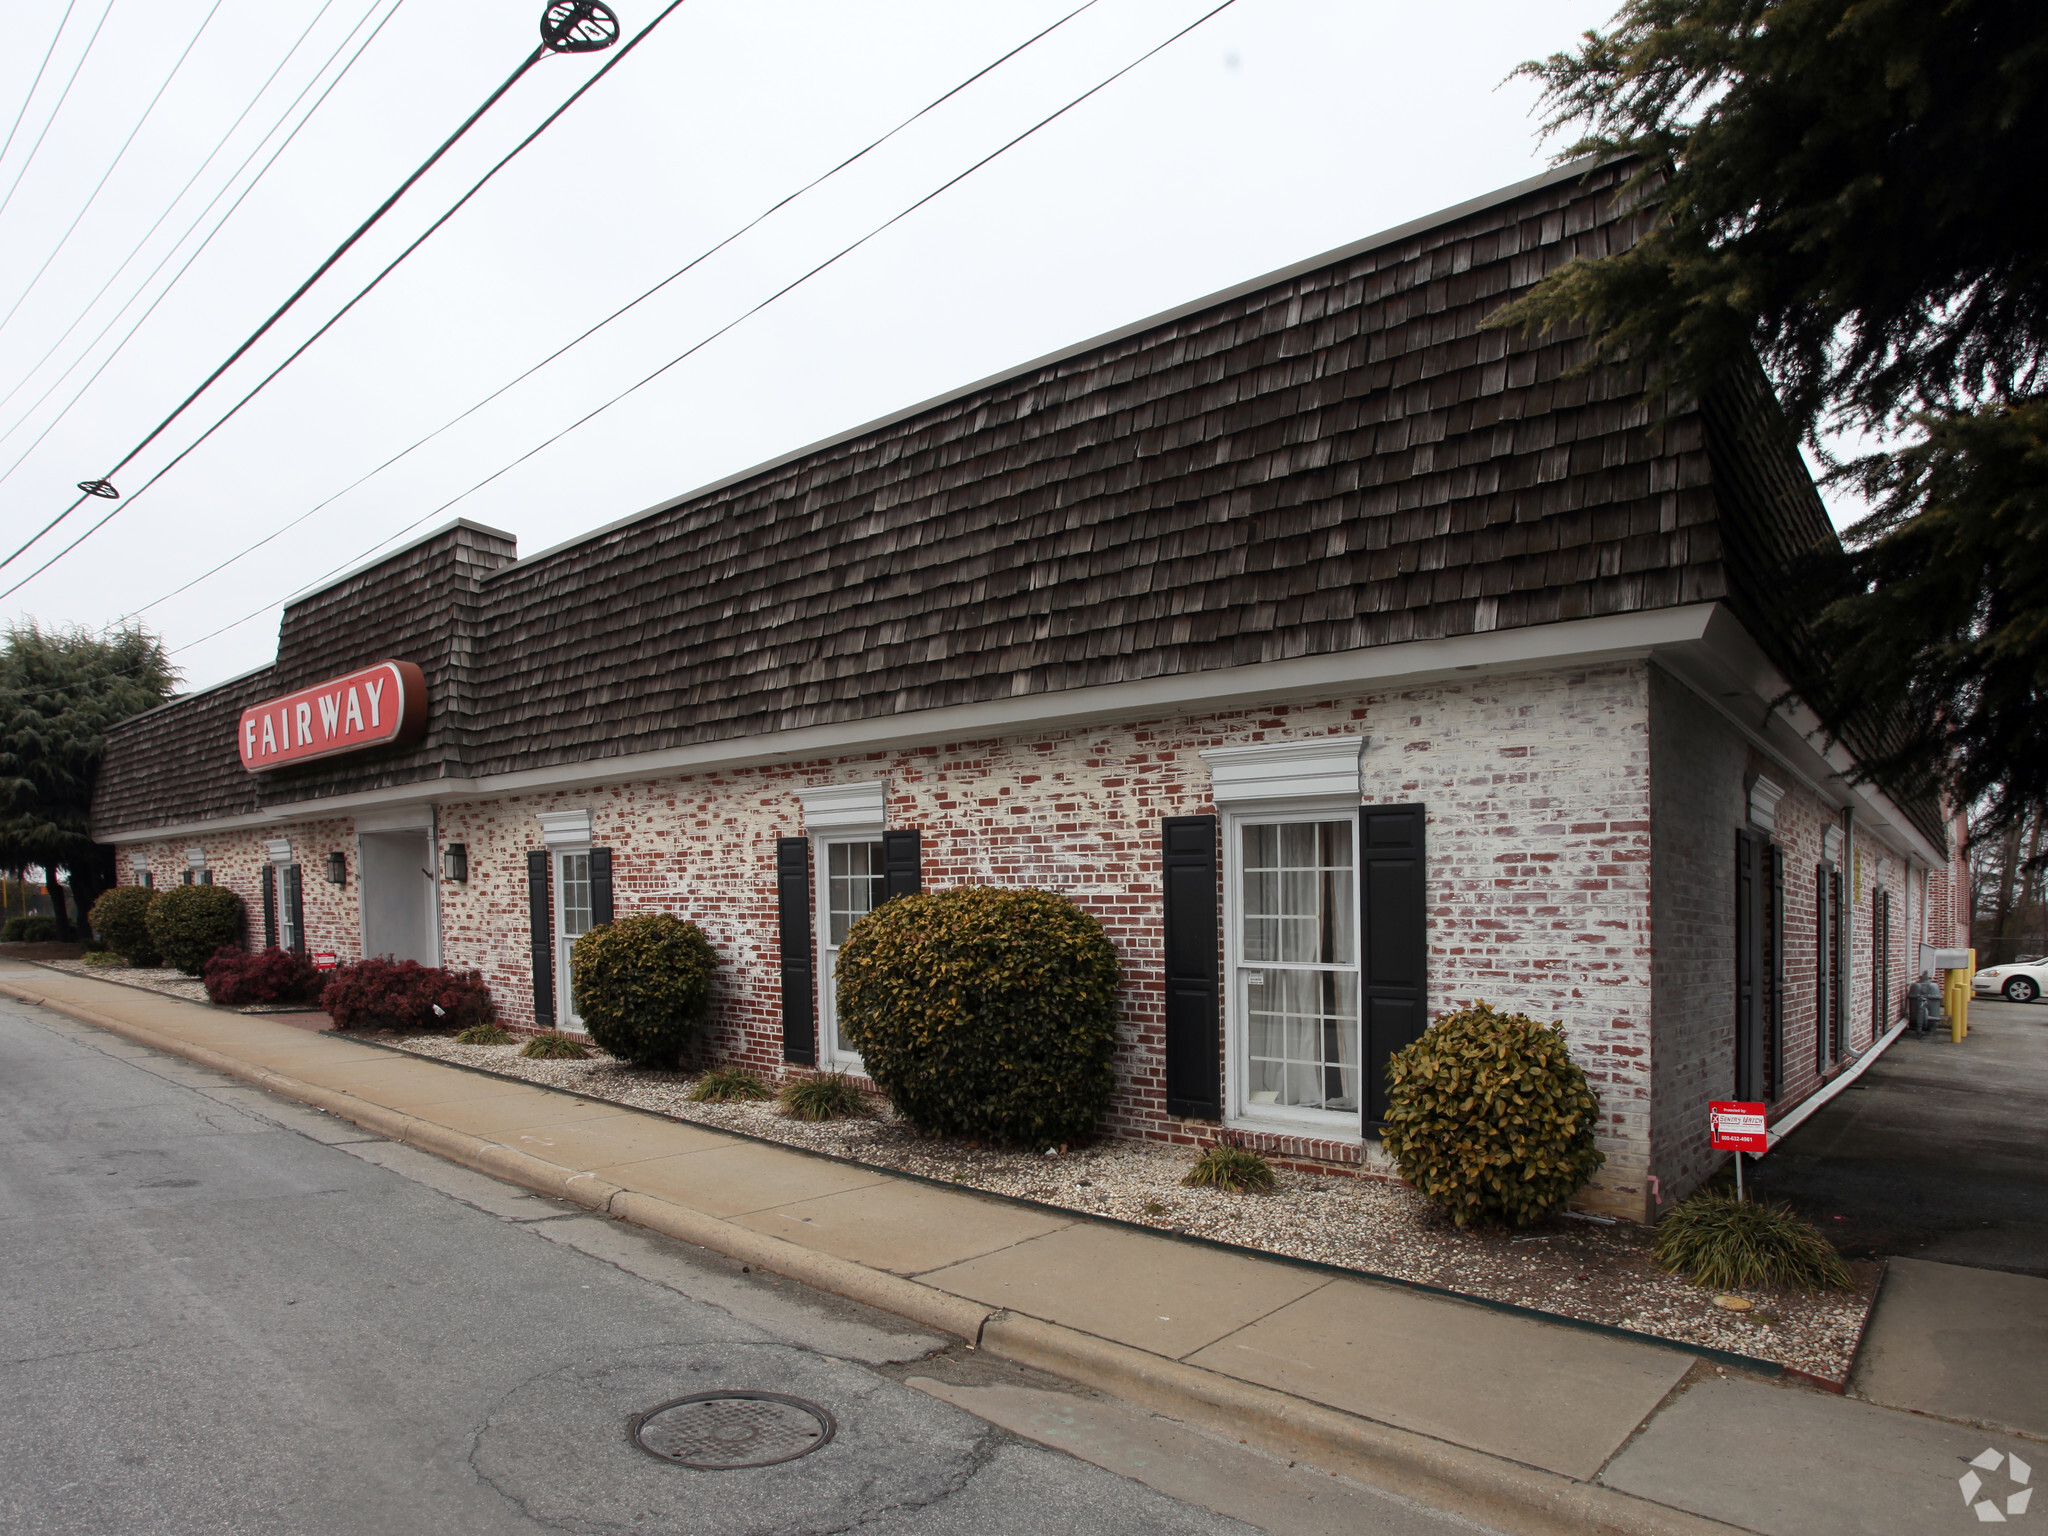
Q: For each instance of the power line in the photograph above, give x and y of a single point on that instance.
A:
(317, 581)
(360, 294)
(567, 346)
(48, 54)
(119, 155)
(169, 208)
(197, 220)
(103, 487)
(62, 97)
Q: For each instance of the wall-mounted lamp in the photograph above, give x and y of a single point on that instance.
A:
(455, 861)
(337, 869)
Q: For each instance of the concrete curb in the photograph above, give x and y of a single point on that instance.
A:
(1434, 1472)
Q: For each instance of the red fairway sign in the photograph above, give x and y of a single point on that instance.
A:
(1736, 1126)
(376, 707)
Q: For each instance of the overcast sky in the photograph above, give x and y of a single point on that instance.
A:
(1276, 130)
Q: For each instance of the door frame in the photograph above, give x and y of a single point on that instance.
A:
(422, 827)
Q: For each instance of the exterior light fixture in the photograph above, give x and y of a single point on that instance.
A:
(455, 862)
(337, 869)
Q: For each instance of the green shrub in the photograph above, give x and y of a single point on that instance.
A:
(188, 923)
(643, 986)
(121, 917)
(1718, 1241)
(984, 1013)
(1235, 1170)
(1490, 1118)
(33, 929)
(555, 1047)
(104, 960)
(724, 1085)
(484, 1034)
(831, 1097)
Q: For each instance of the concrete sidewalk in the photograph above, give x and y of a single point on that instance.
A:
(1513, 1421)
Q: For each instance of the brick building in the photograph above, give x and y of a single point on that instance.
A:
(1348, 660)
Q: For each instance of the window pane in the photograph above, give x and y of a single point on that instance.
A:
(575, 893)
(1301, 1034)
(1298, 893)
(853, 886)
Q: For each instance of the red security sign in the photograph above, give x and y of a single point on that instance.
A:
(1736, 1126)
(376, 707)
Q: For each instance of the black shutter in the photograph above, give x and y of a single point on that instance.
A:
(1188, 891)
(543, 938)
(270, 906)
(600, 886)
(295, 903)
(1749, 964)
(902, 867)
(1774, 998)
(1838, 960)
(1394, 903)
(799, 983)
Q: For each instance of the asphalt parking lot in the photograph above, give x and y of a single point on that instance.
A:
(1939, 1151)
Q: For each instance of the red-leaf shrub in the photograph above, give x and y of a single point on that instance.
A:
(235, 978)
(403, 994)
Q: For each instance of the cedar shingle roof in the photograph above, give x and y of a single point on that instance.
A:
(1334, 458)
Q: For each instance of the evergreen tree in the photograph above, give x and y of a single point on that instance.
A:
(1839, 187)
(60, 692)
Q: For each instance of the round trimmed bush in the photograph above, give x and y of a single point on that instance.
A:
(1490, 1118)
(37, 928)
(643, 986)
(188, 923)
(984, 1012)
(121, 917)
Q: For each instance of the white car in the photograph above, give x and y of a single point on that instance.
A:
(2020, 982)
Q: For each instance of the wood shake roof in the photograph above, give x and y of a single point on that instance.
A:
(1334, 458)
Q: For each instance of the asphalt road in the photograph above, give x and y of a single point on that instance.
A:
(1939, 1151)
(222, 1313)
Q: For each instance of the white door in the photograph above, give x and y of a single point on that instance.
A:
(851, 889)
(397, 896)
(572, 918)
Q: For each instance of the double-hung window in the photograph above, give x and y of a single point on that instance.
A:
(1294, 976)
(573, 918)
(852, 888)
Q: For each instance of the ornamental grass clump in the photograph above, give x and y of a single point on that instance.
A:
(727, 1085)
(1234, 1170)
(188, 924)
(831, 1097)
(484, 1034)
(1490, 1118)
(1727, 1244)
(984, 1013)
(554, 1046)
(643, 986)
(121, 917)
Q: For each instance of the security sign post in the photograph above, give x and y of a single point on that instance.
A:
(1738, 1127)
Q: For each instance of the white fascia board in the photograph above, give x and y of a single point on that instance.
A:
(1728, 669)
(1542, 647)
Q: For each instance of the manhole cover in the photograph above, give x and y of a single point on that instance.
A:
(724, 1431)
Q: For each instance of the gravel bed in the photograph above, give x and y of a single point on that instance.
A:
(165, 979)
(1583, 1269)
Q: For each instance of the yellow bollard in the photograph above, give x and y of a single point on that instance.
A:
(1957, 1002)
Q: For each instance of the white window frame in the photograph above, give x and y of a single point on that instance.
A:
(289, 939)
(566, 1015)
(830, 1052)
(1321, 1124)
